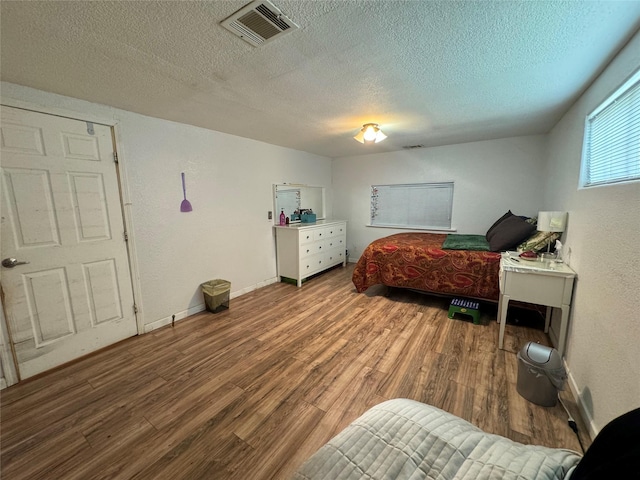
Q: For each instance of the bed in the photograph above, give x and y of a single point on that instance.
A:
(425, 262)
(407, 440)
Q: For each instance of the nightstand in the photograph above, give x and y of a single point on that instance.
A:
(539, 282)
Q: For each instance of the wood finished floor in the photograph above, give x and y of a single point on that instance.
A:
(251, 392)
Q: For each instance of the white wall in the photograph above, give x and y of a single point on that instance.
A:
(603, 230)
(490, 177)
(229, 183)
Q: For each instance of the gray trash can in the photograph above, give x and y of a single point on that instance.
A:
(540, 374)
(216, 294)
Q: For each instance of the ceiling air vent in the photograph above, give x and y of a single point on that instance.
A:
(258, 23)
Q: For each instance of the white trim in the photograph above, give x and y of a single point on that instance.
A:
(127, 213)
(58, 111)
(8, 365)
(584, 413)
(149, 327)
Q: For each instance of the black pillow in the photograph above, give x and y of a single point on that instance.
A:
(509, 233)
(496, 223)
(615, 452)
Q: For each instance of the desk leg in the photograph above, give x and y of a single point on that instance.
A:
(564, 323)
(499, 308)
(547, 319)
(504, 306)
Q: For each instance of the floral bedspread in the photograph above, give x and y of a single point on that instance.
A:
(417, 261)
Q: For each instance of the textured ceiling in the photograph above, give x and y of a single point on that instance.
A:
(429, 72)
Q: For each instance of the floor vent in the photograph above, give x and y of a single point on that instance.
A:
(258, 23)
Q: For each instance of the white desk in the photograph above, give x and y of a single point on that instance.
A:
(536, 282)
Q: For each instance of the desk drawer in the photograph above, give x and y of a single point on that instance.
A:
(539, 289)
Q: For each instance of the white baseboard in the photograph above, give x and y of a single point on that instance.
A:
(586, 417)
(179, 316)
(3, 383)
(149, 327)
(251, 288)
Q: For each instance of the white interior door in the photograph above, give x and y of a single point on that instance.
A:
(61, 214)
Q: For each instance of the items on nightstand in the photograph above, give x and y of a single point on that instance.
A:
(551, 222)
(283, 218)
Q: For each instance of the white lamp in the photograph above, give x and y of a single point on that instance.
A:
(551, 222)
(370, 133)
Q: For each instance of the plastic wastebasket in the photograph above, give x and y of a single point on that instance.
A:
(540, 374)
(216, 294)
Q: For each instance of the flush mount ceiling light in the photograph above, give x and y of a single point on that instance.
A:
(370, 133)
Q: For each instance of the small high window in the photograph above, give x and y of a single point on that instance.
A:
(611, 150)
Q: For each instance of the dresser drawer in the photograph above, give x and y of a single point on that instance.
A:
(307, 250)
(321, 233)
(335, 256)
(336, 242)
(336, 230)
(312, 264)
(314, 248)
(306, 236)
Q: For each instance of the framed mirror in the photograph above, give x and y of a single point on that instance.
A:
(291, 197)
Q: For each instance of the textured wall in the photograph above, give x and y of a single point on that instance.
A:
(603, 228)
(490, 178)
(230, 185)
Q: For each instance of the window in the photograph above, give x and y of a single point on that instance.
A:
(418, 205)
(611, 151)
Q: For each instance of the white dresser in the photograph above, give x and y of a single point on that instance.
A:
(304, 249)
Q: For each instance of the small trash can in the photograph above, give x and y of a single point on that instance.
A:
(216, 294)
(540, 374)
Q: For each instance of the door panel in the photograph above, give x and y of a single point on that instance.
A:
(35, 227)
(61, 213)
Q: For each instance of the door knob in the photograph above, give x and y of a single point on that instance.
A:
(12, 262)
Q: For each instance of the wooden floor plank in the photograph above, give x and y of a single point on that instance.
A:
(253, 391)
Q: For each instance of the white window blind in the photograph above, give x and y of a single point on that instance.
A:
(611, 151)
(417, 205)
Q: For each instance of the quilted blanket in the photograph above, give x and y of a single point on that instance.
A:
(408, 440)
(418, 261)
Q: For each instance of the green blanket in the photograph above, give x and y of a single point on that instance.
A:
(466, 242)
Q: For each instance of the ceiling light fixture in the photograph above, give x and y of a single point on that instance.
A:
(370, 133)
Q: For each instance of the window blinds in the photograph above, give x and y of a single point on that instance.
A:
(612, 138)
(418, 205)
